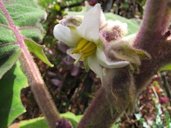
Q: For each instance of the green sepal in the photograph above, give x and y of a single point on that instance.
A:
(126, 52)
(37, 50)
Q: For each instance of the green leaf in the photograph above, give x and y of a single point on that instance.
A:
(115, 125)
(133, 25)
(34, 123)
(33, 33)
(37, 50)
(74, 119)
(10, 87)
(24, 12)
(166, 68)
(6, 35)
(3, 19)
(7, 49)
(9, 54)
(27, 16)
(168, 119)
(41, 122)
(45, 3)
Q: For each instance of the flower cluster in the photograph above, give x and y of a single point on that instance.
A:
(87, 35)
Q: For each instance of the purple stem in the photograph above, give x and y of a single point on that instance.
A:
(35, 80)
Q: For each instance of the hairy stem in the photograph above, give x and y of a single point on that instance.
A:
(35, 80)
(154, 25)
(100, 113)
(111, 100)
(151, 39)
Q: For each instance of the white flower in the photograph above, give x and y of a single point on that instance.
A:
(84, 41)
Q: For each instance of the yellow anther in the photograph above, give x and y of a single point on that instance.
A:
(85, 49)
(88, 47)
(80, 45)
(84, 56)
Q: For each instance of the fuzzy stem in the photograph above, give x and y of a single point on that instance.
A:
(35, 80)
(150, 38)
(111, 100)
(154, 24)
(99, 113)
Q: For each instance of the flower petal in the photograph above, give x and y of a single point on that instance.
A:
(102, 59)
(89, 28)
(94, 66)
(66, 35)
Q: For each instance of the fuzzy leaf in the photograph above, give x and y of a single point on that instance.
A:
(37, 50)
(74, 119)
(34, 123)
(6, 35)
(9, 54)
(26, 15)
(10, 103)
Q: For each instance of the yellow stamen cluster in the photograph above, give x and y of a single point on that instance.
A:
(84, 48)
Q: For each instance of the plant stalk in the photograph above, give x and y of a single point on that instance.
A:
(35, 80)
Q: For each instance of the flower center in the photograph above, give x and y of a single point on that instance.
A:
(85, 48)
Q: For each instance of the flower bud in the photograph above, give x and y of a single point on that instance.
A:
(113, 30)
(71, 21)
